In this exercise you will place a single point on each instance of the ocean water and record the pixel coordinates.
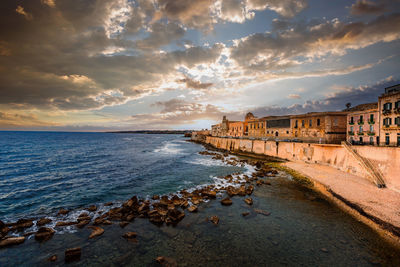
(41, 172)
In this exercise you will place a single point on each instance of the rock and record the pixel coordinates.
(259, 182)
(44, 234)
(130, 217)
(210, 194)
(249, 190)
(52, 258)
(156, 219)
(96, 231)
(92, 208)
(21, 224)
(130, 235)
(11, 241)
(175, 215)
(73, 254)
(2, 224)
(108, 204)
(82, 224)
(192, 208)
(249, 201)
(123, 224)
(83, 218)
(267, 182)
(165, 261)
(62, 212)
(60, 224)
(324, 250)
(226, 201)
(101, 221)
(43, 221)
(244, 214)
(242, 191)
(263, 212)
(214, 219)
(231, 191)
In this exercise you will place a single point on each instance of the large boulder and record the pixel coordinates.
(96, 231)
(11, 241)
(43, 221)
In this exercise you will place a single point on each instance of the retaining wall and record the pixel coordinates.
(386, 159)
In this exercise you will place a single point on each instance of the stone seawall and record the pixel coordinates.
(385, 159)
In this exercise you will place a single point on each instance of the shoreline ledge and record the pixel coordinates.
(378, 208)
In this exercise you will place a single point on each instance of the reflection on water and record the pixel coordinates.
(302, 229)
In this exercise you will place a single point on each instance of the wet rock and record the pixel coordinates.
(165, 261)
(244, 214)
(259, 182)
(101, 221)
(130, 217)
(165, 201)
(21, 224)
(226, 201)
(82, 224)
(249, 190)
(2, 224)
(11, 241)
(84, 217)
(324, 250)
(73, 254)
(43, 221)
(155, 197)
(231, 191)
(63, 212)
(185, 204)
(96, 231)
(130, 235)
(60, 224)
(123, 224)
(214, 219)
(92, 208)
(44, 234)
(192, 208)
(52, 258)
(29, 234)
(156, 219)
(210, 194)
(242, 191)
(267, 182)
(108, 204)
(249, 201)
(263, 212)
(175, 215)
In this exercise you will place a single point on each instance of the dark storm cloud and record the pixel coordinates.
(362, 7)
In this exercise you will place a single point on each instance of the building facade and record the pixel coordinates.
(236, 128)
(320, 127)
(389, 112)
(363, 124)
(278, 127)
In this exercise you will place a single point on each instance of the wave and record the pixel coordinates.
(169, 148)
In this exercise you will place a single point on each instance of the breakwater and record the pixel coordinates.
(383, 159)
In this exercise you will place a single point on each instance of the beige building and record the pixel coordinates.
(363, 124)
(320, 127)
(236, 128)
(389, 113)
(278, 127)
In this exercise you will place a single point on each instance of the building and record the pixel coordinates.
(320, 127)
(389, 113)
(236, 128)
(256, 127)
(363, 124)
(278, 127)
(220, 129)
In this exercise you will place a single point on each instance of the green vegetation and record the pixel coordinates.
(298, 177)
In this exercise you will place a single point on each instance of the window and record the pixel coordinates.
(371, 117)
(371, 140)
(318, 122)
(310, 123)
(361, 129)
(287, 132)
(351, 128)
(352, 120)
(371, 128)
(397, 105)
(387, 121)
(397, 121)
(296, 124)
(387, 139)
(361, 118)
(303, 123)
(335, 122)
(387, 106)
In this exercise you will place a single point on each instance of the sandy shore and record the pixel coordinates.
(378, 207)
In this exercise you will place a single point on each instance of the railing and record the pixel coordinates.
(374, 174)
(371, 122)
(386, 111)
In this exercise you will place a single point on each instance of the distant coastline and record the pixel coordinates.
(155, 132)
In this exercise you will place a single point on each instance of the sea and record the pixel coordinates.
(42, 172)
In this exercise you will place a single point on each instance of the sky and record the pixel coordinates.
(101, 65)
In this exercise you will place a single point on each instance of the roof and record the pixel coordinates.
(326, 113)
(361, 107)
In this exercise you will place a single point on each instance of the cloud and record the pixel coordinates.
(294, 96)
(49, 3)
(161, 34)
(286, 8)
(193, 84)
(22, 120)
(21, 10)
(366, 7)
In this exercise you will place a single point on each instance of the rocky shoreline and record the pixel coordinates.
(159, 210)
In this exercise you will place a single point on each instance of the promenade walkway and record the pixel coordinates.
(381, 203)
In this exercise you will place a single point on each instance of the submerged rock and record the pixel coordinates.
(82, 224)
(249, 190)
(43, 221)
(73, 254)
(63, 212)
(244, 214)
(130, 235)
(92, 208)
(21, 224)
(60, 224)
(192, 208)
(249, 201)
(226, 201)
(44, 234)
(11, 241)
(263, 212)
(108, 204)
(96, 231)
(214, 219)
(165, 261)
(123, 224)
(52, 258)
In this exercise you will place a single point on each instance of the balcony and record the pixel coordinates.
(386, 112)
(371, 122)
(360, 133)
(351, 122)
(350, 133)
(397, 110)
(360, 122)
(371, 133)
